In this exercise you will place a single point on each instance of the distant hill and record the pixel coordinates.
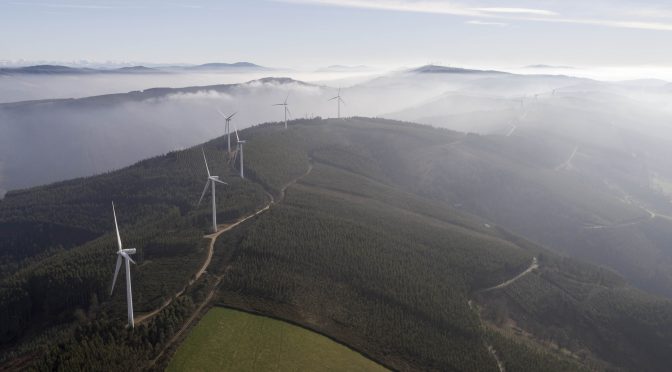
(434, 69)
(136, 69)
(46, 69)
(226, 66)
(64, 70)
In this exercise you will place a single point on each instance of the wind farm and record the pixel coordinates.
(303, 194)
(455, 187)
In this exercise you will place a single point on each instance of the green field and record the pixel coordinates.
(231, 340)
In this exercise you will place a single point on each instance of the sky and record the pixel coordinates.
(315, 33)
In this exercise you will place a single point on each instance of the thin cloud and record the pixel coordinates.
(541, 12)
(484, 23)
(396, 5)
(506, 13)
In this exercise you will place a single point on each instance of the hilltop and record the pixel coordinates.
(365, 242)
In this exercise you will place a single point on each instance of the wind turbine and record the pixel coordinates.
(228, 128)
(338, 100)
(211, 180)
(240, 144)
(286, 109)
(124, 253)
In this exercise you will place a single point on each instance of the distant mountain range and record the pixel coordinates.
(221, 67)
(65, 70)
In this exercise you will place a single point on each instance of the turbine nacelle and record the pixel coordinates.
(216, 179)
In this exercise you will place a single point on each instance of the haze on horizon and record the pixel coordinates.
(625, 38)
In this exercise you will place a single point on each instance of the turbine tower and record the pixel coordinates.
(125, 255)
(211, 181)
(286, 106)
(338, 100)
(240, 144)
(228, 128)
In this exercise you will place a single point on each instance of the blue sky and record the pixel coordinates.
(312, 33)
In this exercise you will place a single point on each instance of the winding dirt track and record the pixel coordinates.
(211, 247)
(213, 238)
(533, 266)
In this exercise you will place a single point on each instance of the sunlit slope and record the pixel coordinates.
(229, 340)
(58, 245)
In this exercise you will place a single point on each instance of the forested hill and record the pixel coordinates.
(366, 242)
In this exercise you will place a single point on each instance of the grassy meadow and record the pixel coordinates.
(231, 340)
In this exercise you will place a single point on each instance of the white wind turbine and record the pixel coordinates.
(286, 106)
(228, 128)
(339, 100)
(124, 253)
(240, 144)
(211, 181)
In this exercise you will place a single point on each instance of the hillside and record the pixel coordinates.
(365, 242)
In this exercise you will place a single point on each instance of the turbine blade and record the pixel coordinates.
(341, 99)
(236, 129)
(221, 113)
(206, 162)
(116, 227)
(231, 116)
(220, 181)
(116, 271)
(288, 112)
(331, 99)
(286, 98)
(278, 104)
(204, 190)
